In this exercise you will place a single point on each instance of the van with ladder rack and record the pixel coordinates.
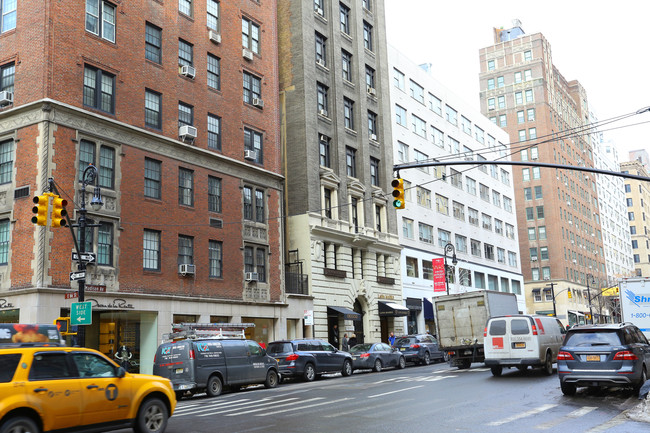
(206, 357)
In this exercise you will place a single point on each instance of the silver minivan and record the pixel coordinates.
(210, 364)
(522, 340)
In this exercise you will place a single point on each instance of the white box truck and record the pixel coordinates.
(634, 296)
(461, 319)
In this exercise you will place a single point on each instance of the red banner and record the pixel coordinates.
(439, 275)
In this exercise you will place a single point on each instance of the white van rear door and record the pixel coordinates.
(522, 343)
(497, 343)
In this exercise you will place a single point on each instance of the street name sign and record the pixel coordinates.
(81, 313)
(85, 257)
(79, 275)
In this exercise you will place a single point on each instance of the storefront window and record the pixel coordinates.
(262, 332)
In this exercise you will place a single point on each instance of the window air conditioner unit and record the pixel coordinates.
(258, 102)
(250, 154)
(533, 259)
(188, 71)
(323, 137)
(371, 91)
(320, 62)
(215, 37)
(373, 137)
(319, 11)
(186, 269)
(187, 131)
(248, 54)
(6, 98)
(322, 112)
(252, 276)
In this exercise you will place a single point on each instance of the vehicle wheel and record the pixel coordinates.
(568, 388)
(496, 370)
(152, 417)
(347, 368)
(402, 363)
(377, 367)
(464, 364)
(271, 379)
(644, 377)
(19, 424)
(214, 386)
(309, 374)
(547, 369)
(427, 358)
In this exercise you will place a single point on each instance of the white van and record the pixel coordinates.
(522, 340)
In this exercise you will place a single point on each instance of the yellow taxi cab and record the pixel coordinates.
(45, 386)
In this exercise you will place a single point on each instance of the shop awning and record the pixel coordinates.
(536, 290)
(414, 304)
(391, 309)
(547, 289)
(428, 309)
(345, 312)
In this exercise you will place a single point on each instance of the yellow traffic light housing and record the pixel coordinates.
(398, 193)
(59, 212)
(41, 208)
(569, 293)
(63, 325)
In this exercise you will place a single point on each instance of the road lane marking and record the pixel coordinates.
(361, 410)
(393, 392)
(303, 407)
(523, 415)
(274, 402)
(205, 408)
(617, 420)
(584, 410)
(275, 405)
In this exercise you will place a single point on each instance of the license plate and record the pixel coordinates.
(402, 349)
(179, 370)
(354, 358)
(593, 358)
(520, 345)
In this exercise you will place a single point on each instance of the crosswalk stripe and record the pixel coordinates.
(275, 405)
(393, 392)
(523, 414)
(212, 407)
(303, 407)
(618, 419)
(575, 414)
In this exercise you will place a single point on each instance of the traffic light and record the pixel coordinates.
(569, 293)
(41, 202)
(398, 193)
(58, 211)
(63, 325)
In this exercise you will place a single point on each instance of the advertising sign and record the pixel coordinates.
(309, 317)
(439, 276)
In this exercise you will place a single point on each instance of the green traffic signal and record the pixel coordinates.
(398, 193)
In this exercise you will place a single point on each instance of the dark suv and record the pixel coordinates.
(603, 355)
(309, 358)
(421, 348)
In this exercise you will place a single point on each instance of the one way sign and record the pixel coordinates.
(85, 257)
(80, 275)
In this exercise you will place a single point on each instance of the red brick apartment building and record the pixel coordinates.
(175, 103)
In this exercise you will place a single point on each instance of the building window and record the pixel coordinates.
(214, 72)
(7, 74)
(185, 53)
(185, 7)
(501, 102)
(370, 78)
(152, 109)
(321, 99)
(350, 161)
(248, 203)
(374, 171)
(105, 244)
(105, 167)
(344, 13)
(260, 213)
(503, 121)
(348, 113)
(4, 241)
(250, 35)
(253, 140)
(327, 205)
(99, 89)
(152, 178)
(100, 18)
(529, 95)
(423, 197)
(442, 204)
(252, 87)
(520, 116)
(417, 92)
(321, 49)
(419, 126)
(500, 82)
(6, 161)
(407, 228)
(488, 251)
(214, 132)
(346, 60)
(255, 261)
(530, 113)
(492, 104)
(528, 56)
(400, 115)
(402, 152)
(490, 83)
(412, 267)
(214, 194)
(475, 247)
(185, 187)
(185, 114)
(452, 115)
(398, 79)
(324, 150)
(491, 65)
(213, 14)
(185, 250)
(425, 232)
(153, 43)
(215, 258)
(367, 36)
(151, 250)
(372, 125)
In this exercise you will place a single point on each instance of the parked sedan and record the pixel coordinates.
(421, 348)
(604, 356)
(376, 356)
(307, 358)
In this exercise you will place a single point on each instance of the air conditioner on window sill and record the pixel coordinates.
(371, 91)
(319, 11)
(250, 154)
(6, 98)
(187, 132)
(252, 276)
(188, 71)
(215, 37)
(186, 269)
(320, 62)
(322, 112)
(247, 54)
(373, 137)
(257, 102)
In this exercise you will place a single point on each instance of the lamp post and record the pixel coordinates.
(590, 277)
(553, 295)
(449, 247)
(89, 176)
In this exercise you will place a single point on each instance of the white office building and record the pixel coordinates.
(471, 207)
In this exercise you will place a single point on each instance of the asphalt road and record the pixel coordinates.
(435, 398)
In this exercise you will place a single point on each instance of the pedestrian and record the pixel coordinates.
(353, 341)
(334, 336)
(344, 343)
(391, 339)
(124, 355)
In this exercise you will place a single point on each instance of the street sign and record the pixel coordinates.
(71, 295)
(79, 275)
(81, 313)
(85, 257)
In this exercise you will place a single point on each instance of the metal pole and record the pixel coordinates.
(553, 295)
(81, 329)
(589, 296)
(446, 273)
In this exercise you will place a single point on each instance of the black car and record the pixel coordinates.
(309, 358)
(420, 348)
(603, 356)
(376, 356)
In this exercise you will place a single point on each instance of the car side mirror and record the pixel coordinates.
(121, 372)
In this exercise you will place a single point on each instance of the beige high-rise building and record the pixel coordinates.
(637, 197)
(557, 210)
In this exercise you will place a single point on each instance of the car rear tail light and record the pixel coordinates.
(485, 332)
(564, 356)
(625, 355)
(364, 355)
(534, 330)
(292, 357)
(191, 353)
(154, 359)
(415, 346)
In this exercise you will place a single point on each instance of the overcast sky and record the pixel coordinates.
(603, 45)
